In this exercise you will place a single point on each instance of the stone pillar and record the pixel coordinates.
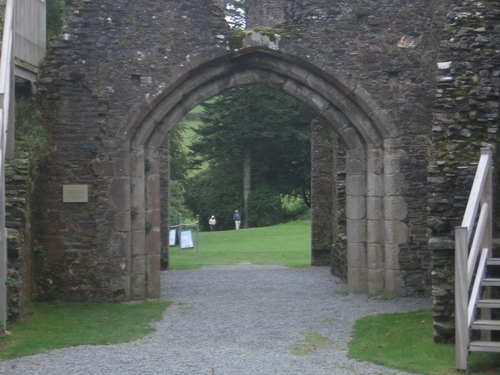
(120, 244)
(375, 222)
(152, 224)
(138, 215)
(395, 216)
(357, 274)
(264, 13)
(165, 203)
(339, 246)
(323, 192)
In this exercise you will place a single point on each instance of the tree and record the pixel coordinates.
(55, 17)
(261, 133)
(178, 172)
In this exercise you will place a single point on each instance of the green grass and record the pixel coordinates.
(285, 244)
(52, 326)
(404, 341)
(310, 342)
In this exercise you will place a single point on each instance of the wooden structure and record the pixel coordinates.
(478, 222)
(23, 47)
(30, 37)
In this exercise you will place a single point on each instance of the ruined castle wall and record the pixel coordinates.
(110, 56)
(465, 119)
(114, 55)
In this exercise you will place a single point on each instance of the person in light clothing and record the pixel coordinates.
(237, 219)
(212, 223)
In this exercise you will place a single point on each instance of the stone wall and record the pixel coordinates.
(339, 264)
(124, 73)
(19, 245)
(466, 119)
(111, 55)
(324, 226)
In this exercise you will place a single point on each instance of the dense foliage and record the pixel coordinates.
(55, 16)
(179, 168)
(271, 132)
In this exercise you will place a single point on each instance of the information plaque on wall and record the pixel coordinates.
(75, 193)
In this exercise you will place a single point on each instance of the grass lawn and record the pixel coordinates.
(285, 244)
(404, 341)
(52, 326)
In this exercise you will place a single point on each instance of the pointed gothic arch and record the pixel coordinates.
(374, 204)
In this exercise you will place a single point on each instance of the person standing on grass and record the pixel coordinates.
(212, 222)
(237, 219)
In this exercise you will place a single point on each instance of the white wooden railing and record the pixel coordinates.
(478, 221)
(6, 119)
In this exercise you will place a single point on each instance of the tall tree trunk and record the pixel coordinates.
(247, 173)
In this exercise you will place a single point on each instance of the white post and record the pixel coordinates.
(6, 96)
(487, 240)
(3, 249)
(461, 299)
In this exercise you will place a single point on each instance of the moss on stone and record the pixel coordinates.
(270, 32)
(236, 37)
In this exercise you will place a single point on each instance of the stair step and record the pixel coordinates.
(493, 262)
(490, 282)
(489, 303)
(486, 325)
(484, 346)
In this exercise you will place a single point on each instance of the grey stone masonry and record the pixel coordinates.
(323, 193)
(410, 89)
(466, 119)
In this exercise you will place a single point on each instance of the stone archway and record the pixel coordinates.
(374, 204)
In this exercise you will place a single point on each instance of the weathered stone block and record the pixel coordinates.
(120, 288)
(374, 208)
(356, 185)
(122, 221)
(375, 161)
(120, 245)
(395, 208)
(394, 283)
(356, 231)
(358, 280)
(394, 184)
(375, 231)
(392, 256)
(356, 207)
(138, 265)
(375, 283)
(396, 232)
(138, 287)
(375, 256)
(153, 274)
(375, 185)
(356, 255)
(138, 242)
(119, 193)
(153, 240)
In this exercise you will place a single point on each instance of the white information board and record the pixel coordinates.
(173, 236)
(187, 239)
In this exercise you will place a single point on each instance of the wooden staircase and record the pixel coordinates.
(486, 326)
(474, 264)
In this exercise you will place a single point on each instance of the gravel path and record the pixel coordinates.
(241, 320)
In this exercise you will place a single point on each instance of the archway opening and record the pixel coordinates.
(341, 106)
(252, 153)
